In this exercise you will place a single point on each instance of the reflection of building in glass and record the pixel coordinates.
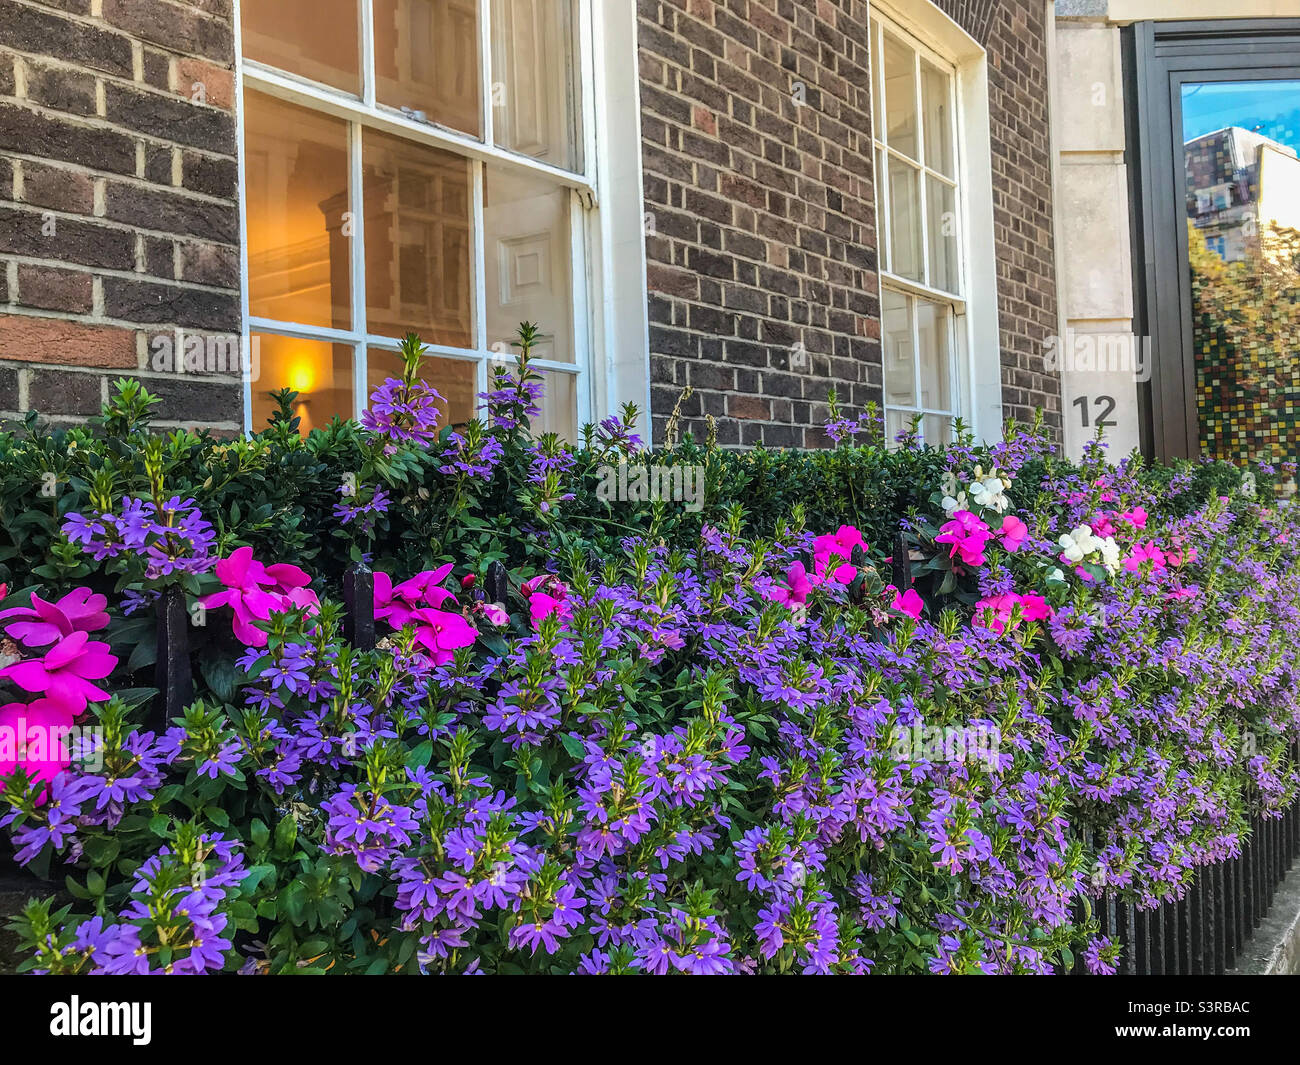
(1243, 203)
(1237, 183)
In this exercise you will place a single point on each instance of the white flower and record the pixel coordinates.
(1079, 542)
(796, 874)
(948, 484)
(1248, 486)
(954, 503)
(1110, 555)
(1055, 574)
(990, 492)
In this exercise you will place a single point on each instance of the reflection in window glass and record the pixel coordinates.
(900, 358)
(426, 60)
(934, 338)
(316, 39)
(296, 196)
(528, 244)
(936, 94)
(320, 372)
(1242, 154)
(417, 235)
(900, 96)
(534, 78)
(904, 220)
(941, 226)
(936, 429)
(559, 406)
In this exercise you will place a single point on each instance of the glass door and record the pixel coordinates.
(1241, 151)
(1215, 151)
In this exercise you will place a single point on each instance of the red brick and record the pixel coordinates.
(218, 83)
(59, 342)
(749, 407)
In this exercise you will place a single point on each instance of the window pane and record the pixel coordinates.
(427, 60)
(904, 220)
(877, 128)
(937, 429)
(935, 337)
(534, 83)
(529, 269)
(896, 340)
(936, 95)
(900, 96)
(941, 221)
(320, 372)
(315, 38)
(559, 406)
(881, 234)
(417, 238)
(897, 421)
(456, 380)
(296, 173)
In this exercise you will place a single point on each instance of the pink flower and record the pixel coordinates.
(1013, 533)
(441, 632)
(1032, 608)
(1102, 526)
(837, 545)
(1143, 553)
(495, 613)
(31, 736)
(967, 535)
(65, 673)
(44, 623)
(797, 587)
(908, 602)
(1137, 517)
(541, 605)
(398, 604)
(251, 593)
(546, 582)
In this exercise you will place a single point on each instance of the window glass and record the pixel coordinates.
(368, 229)
(534, 82)
(934, 341)
(905, 220)
(529, 272)
(919, 234)
(296, 202)
(1241, 146)
(417, 238)
(320, 372)
(936, 95)
(941, 232)
(899, 352)
(317, 39)
(900, 96)
(427, 60)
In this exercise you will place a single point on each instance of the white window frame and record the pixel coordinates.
(599, 278)
(975, 370)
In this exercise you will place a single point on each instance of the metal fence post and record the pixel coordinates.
(359, 604)
(172, 675)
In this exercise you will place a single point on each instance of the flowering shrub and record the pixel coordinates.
(671, 742)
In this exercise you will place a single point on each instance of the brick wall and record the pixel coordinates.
(760, 211)
(118, 215)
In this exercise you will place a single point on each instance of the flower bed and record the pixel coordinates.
(747, 736)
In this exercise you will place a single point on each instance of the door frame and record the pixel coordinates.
(1159, 57)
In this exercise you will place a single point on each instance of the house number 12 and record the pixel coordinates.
(1107, 408)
